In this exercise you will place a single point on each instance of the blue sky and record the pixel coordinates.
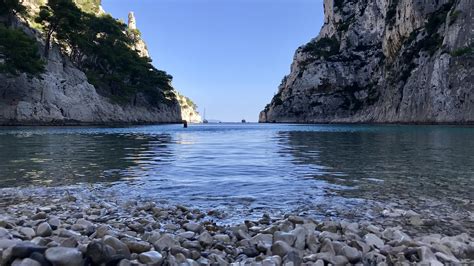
(228, 56)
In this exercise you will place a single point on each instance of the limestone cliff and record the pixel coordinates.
(62, 95)
(188, 109)
(383, 61)
(134, 33)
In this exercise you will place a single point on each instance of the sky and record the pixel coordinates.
(228, 56)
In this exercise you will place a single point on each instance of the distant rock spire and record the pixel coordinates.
(132, 23)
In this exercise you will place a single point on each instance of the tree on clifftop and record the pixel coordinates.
(57, 15)
(101, 47)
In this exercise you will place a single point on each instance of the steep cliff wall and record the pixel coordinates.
(62, 95)
(383, 61)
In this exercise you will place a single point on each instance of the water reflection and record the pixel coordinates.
(64, 159)
(426, 169)
(425, 161)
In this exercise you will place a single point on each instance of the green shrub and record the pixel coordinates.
(191, 104)
(20, 53)
(323, 47)
(89, 6)
(463, 51)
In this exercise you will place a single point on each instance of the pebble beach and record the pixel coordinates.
(89, 227)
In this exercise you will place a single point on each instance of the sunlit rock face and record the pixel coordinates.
(387, 61)
(139, 44)
(189, 111)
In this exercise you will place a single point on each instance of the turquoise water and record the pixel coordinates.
(252, 167)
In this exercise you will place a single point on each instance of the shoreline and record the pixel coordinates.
(88, 225)
(466, 123)
(131, 124)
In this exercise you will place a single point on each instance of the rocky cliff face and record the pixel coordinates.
(383, 61)
(62, 95)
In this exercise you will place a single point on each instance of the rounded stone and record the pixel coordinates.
(39, 216)
(137, 246)
(117, 245)
(44, 230)
(150, 257)
(6, 243)
(24, 249)
(374, 241)
(29, 262)
(193, 227)
(165, 242)
(4, 233)
(60, 256)
(28, 232)
(205, 238)
(352, 254)
(54, 222)
(281, 248)
(99, 252)
(222, 238)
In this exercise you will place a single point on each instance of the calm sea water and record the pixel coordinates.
(252, 167)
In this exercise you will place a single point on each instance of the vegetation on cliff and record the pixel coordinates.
(100, 46)
(89, 6)
(18, 51)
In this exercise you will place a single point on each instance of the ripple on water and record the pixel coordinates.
(319, 169)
